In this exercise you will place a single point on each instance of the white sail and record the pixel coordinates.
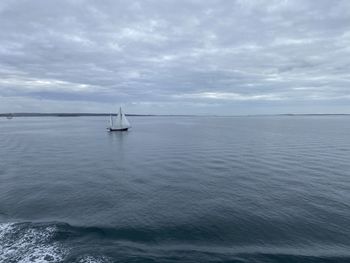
(120, 121)
(124, 121)
(111, 121)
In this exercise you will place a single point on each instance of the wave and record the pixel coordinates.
(22, 243)
(61, 242)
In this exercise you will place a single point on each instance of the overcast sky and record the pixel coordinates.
(175, 57)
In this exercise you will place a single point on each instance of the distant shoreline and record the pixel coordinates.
(22, 114)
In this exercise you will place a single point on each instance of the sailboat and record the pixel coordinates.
(120, 123)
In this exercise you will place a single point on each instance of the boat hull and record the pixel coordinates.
(123, 129)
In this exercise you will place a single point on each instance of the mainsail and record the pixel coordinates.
(111, 121)
(124, 120)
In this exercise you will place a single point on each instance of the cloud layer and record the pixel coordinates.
(215, 56)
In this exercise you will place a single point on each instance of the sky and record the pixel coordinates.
(220, 57)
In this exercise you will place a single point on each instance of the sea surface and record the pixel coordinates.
(175, 189)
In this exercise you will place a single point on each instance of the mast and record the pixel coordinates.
(120, 117)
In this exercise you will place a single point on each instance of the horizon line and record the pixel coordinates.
(87, 114)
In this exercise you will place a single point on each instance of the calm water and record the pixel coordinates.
(179, 189)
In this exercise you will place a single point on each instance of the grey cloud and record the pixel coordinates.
(215, 56)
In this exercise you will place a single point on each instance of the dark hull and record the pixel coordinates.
(124, 129)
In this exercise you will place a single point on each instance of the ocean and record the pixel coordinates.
(175, 189)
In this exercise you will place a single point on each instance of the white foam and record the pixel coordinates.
(94, 259)
(4, 228)
(29, 244)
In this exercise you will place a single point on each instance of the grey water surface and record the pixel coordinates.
(175, 189)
